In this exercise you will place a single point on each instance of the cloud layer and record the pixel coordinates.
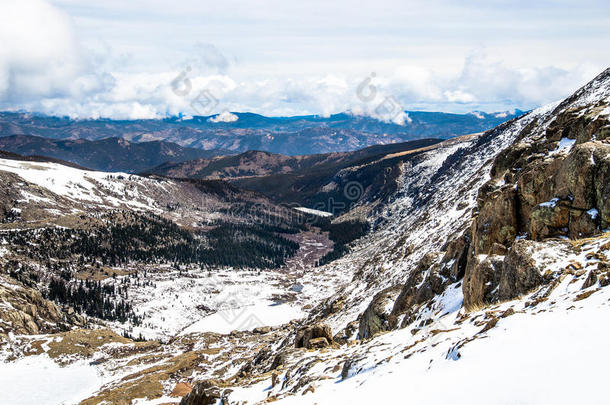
(60, 60)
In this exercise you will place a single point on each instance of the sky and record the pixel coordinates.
(130, 59)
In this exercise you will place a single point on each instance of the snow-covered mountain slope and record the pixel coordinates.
(438, 199)
(451, 235)
(42, 190)
(490, 264)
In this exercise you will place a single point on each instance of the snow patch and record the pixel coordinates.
(593, 213)
(246, 318)
(549, 204)
(564, 144)
(39, 380)
(314, 212)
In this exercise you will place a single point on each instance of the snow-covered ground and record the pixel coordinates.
(207, 301)
(518, 352)
(314, 212)
(40, 380)
(246, 318)
(171, 302)
(77, 184)
(548, 346)
(551, 355)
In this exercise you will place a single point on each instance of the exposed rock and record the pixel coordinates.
(181, 389)
(507, 313)
(262, 356)
(346, 369)
(549, 220)
(481, 280)
(279, 359)
(261, 330)
(583, 223)
(274, 379)
(496, 221)
(308, 333)
(337, 305)
(423, 284)
(489, 325)
(590, 280)
(456, 257)
(375, 318)
(498, 250)
(350, 367)
(27, 312)
(558, 185)
(318, 343)
(204, 393)
(492, 278)
(604, 280)
(348, 332)
(520, 272)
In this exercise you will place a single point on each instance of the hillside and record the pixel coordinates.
(109, 154)
(308, 180)
(486, 263)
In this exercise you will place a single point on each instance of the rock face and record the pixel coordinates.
(496, 278)
(496, 222)
(181, 389)
(25, 311)
(553, 182)
(422, 285)
(520, 273)
(375, 318)
(456, 257)
(481, 279)
(318, 343)
(204, 393)
(311, 336)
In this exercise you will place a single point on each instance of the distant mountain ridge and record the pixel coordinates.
(320, 181)
(109, 154)
(297, 135)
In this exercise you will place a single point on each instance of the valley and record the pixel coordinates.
(426, 263)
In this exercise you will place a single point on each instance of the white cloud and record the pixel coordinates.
(283, 60)
(225, 116)
(39, 56)
(459, 96)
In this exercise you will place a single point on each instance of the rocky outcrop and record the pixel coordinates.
(205, 392)
(318, 343)
(25, 311)
(553, 182)
(423, 284)
(456, 257)
(310, 336)
(496, 222)
(375, 318)
(495, 278)
(181, 389)
(548, 185)
(481, 280)
(520, 272)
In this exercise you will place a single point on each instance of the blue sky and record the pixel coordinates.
(121, 59)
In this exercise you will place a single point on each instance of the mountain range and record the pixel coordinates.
(298, 135)
(318, 181)
(108, 154)
(473, 269)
